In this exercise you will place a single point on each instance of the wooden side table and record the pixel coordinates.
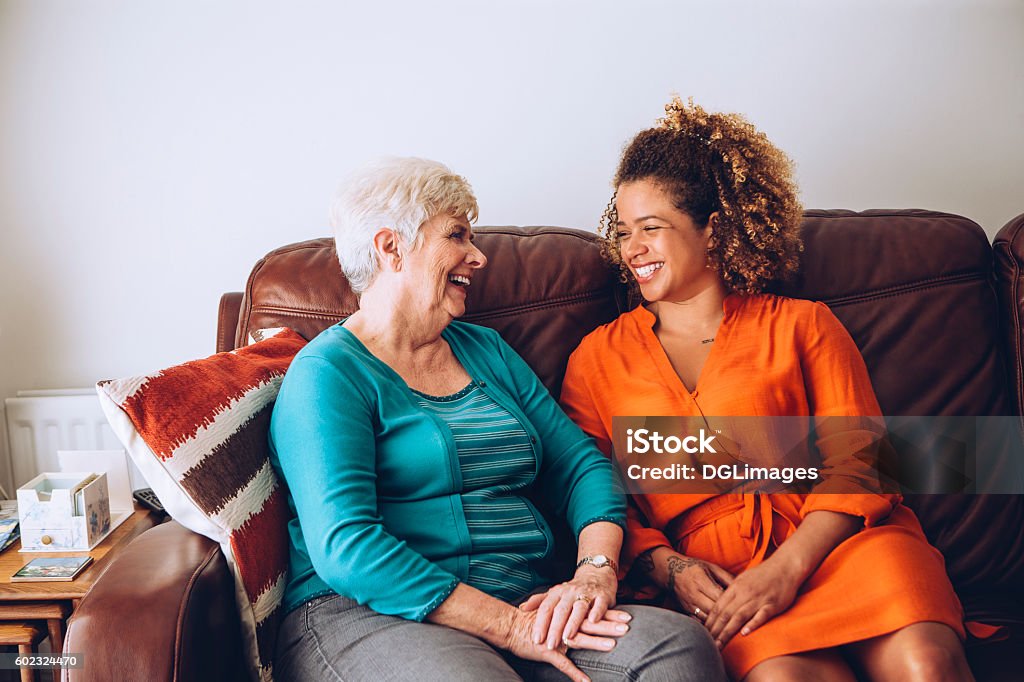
(54, 602)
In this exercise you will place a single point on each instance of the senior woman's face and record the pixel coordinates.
(443, 267)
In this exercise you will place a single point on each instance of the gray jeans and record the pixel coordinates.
(335, 639)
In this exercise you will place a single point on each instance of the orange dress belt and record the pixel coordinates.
(760, 521)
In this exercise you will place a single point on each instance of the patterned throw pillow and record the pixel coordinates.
(198, 433)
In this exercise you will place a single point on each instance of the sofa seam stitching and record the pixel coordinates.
(247, 302)
(901, 289)
(525, 307)
(562, 302)
(298, 312)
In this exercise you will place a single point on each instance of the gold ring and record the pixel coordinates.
(583, 597)
(697, 611)
(565, 641)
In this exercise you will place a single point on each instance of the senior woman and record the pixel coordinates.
(408, 441)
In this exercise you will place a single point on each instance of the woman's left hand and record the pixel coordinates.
(755, 596)
(564, 607)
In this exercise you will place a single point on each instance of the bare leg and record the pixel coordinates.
(925, 652)
(825, 666)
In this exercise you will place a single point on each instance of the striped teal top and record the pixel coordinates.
(496, 461)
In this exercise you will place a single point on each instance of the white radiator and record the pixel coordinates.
(39, 423)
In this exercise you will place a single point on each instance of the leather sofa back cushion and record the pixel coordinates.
(914, 288)
(544, 289)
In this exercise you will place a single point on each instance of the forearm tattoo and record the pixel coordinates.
(677, 564)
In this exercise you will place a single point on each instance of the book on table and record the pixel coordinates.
(8, 532)
(51, 568)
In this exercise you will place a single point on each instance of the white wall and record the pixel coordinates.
(151, 152)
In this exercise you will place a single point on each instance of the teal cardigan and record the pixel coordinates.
(374, 482)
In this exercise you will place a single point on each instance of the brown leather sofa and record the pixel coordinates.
(936, 310)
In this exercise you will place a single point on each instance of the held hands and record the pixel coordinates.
(562, 610)
(599, 636)
(730, 604)
(755, 596)
(744, 603)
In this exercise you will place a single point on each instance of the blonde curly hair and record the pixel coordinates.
(710, 162)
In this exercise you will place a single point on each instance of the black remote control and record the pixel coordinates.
(147, 498)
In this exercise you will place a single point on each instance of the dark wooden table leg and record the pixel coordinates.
(55, 627)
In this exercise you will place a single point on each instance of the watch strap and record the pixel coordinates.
(599, 561)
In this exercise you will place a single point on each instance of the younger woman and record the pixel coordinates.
(791, 586)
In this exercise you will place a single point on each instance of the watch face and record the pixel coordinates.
(600, 560)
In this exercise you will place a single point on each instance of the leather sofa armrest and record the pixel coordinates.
(227, 320)
(164, 610)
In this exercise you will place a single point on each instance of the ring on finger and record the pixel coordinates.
(697, 611)
(565, 642)
(583, 597)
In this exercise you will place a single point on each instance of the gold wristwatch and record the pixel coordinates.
(598, 561)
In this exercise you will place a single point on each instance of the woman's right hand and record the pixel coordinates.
(697, 584)
(599, 636)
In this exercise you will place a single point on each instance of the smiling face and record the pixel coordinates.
(441, 269)
(663, 247)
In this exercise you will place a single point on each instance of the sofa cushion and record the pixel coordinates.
(544, 290)
(914, 288)
(198, 433)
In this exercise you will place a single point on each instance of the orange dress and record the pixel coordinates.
(773, 356)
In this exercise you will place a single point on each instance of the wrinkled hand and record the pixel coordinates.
(598, 636)
(698, 584)
(562, 610)
(754, 597)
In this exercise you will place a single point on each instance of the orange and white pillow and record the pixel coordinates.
(198, 433)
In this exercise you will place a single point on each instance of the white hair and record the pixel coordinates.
(399, 193)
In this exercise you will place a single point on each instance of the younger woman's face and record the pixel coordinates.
(665, 250)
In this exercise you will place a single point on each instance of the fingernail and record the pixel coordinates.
(622, 628)
(608, 644)
(745, 631)
(718, 643)
(626, 617)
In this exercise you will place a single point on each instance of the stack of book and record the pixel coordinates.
(9, 531)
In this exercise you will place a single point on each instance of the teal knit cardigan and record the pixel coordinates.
(374, 482)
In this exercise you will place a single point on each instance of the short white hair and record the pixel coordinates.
(399, 193)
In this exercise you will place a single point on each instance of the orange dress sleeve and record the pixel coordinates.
(578, 402)
(847, 418)
(578, 399)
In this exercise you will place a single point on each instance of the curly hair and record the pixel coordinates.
(710, 162)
